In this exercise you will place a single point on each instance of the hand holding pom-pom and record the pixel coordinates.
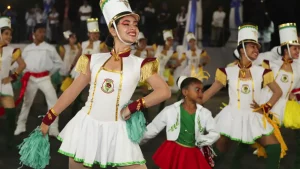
(125, 113)
(44, 128)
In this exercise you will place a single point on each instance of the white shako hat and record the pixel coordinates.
(92, 25)
(288, 34)
(168, 34)
(190, 36)
(67, 34)
(5, 22)
(248, 33)
(180, 80)
(115, 9)
(141, 36)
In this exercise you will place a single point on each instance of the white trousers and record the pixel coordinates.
(45, 85)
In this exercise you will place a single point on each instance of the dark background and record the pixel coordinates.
(280, 11)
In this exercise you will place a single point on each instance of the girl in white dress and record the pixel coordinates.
(98, 134)
(8, 55)
(243, 120)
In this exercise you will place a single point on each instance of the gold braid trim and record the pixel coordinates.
(16, 54)
(221, 77)
(82, 64)
(148, 69)
(268, 78)
(274, 122)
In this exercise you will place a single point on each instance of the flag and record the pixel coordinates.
(193, 21)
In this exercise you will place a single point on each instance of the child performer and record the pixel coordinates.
(186, 121)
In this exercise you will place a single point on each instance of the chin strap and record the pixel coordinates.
(114, 23)
(245, 52)
(288, 48)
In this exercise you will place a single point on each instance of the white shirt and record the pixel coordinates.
(148, 9)
(268, 32)
(181, 19)
(30, 19)
(54, 15)
(218, 19)
(41, 58)
(85, 9)
(39, 17)
(170, 117)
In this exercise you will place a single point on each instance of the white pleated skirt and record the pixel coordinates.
(90, 141)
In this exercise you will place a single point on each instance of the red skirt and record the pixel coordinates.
(171, 155)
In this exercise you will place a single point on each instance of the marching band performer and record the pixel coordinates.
(196, 58)
(140, 49)
(186, 122)
(98, 134)
(42, 60)
(69, 52)
(287, 76)
(243, 120)
(168, 59)
(8, 55)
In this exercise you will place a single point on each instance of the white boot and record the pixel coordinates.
(53, 130)
(21, 128)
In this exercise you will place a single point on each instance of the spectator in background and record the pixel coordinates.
(267, 31)
(85, 12)
(181, 22)
(67, 24)
(164, 17)
(150, 21)
(54, 25)
(30, 23)
(39, 16)
(217, 25)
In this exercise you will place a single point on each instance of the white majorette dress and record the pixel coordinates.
(88, 47)
(237, 120)
(286, 80)
(8, 56)
(164, 55)
(97, 134)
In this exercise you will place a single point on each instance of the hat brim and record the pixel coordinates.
(136, 16)
(252, 41)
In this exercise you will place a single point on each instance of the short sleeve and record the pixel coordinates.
(82, 63)
(265, 64)
(268, 77)
(149, 67)
(221, 76)
(16, 54)
(203, 53)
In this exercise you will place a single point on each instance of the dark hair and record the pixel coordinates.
(38, 26)
(282, 49)
(4, 28)
(109, 41)
(188, 81)
(118, 15)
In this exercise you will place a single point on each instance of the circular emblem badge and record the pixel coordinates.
(284, 78)
(108, 86)
(245, 89)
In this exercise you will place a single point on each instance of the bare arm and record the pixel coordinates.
(161, 90)
(72, 92)
(21, 64)
(216, 86)
(277, 92)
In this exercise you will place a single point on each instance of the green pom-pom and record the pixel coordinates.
(136, 126)
(17, 84)
(35, 150)
(56, 78)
